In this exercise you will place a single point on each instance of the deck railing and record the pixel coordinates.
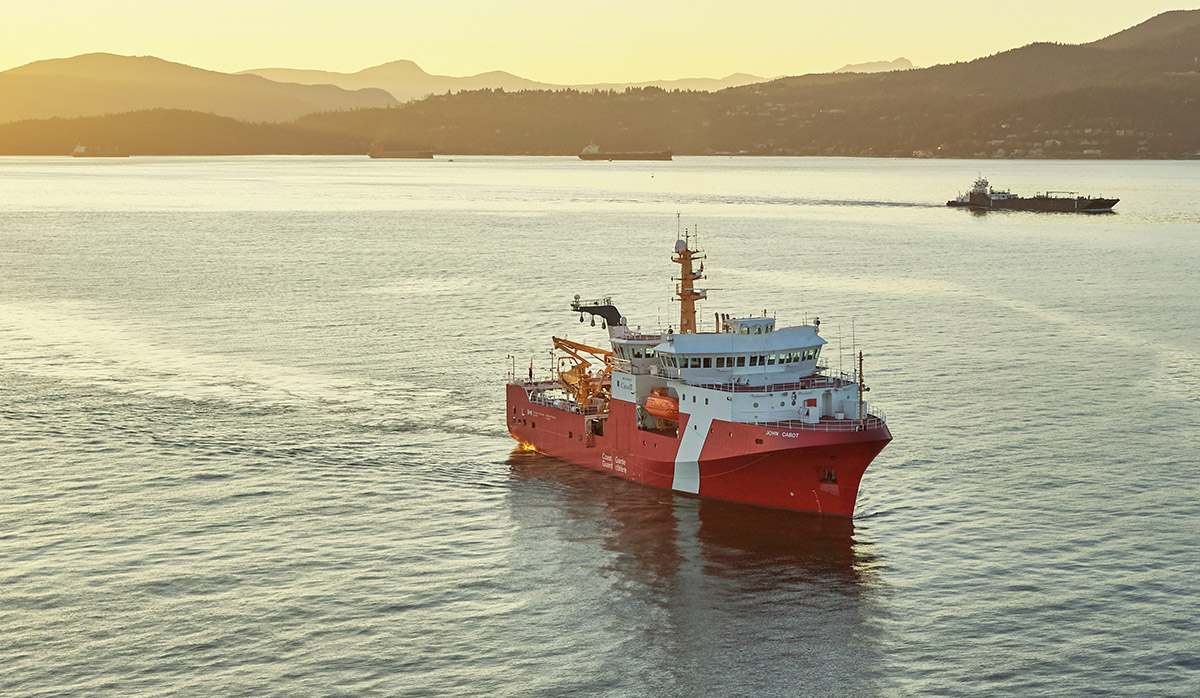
(872, 421)
(561, 404)
(807, 383)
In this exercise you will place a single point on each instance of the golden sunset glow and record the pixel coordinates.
(566, 43)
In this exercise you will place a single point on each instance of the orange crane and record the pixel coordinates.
(577, 380)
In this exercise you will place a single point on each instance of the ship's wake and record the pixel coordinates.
(77, 344)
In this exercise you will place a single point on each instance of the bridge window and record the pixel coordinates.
(741, 361)
(720, 362)
(771, 360)
(637, 353)
(753, 360)
(757, 330)
(649, 353)
(695, 362)
(707, 362)
(745, 329)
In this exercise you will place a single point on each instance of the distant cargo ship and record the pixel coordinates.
(83, 151)
(593, 152)
(983, 197)
(382, 150)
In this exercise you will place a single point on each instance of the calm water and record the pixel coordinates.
(252, 436)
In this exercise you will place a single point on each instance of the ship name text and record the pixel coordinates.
(617, 464)
(786, 434)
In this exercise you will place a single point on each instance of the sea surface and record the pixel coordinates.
(252, 439)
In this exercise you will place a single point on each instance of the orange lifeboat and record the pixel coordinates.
(660, 405)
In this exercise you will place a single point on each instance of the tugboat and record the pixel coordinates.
(983, 197)
(742, 412)
(593, 152)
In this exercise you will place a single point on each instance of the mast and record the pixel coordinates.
(685, 290)
(861, 418)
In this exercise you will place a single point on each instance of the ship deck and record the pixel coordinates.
(536, 390)
(806, 383)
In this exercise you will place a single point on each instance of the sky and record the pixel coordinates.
(555, 41)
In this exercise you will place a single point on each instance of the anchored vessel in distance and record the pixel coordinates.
(983, 197)
(84, 151)
(743, 413)
(391, 152)
(593, 152)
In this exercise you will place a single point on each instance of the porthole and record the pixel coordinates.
(756, 404)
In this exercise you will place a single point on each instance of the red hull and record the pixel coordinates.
(803, 469)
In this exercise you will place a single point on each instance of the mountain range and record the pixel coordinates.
(103, 83)
(406, 81)
(1135, 93)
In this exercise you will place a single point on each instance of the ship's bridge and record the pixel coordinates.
(754, 352)
(750, 325)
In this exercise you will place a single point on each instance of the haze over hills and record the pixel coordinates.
(101, 83)
(876, 66)
(406, 81)
(403, 79)
(1135, 94)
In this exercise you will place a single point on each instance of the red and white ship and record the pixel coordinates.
(742, 413)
